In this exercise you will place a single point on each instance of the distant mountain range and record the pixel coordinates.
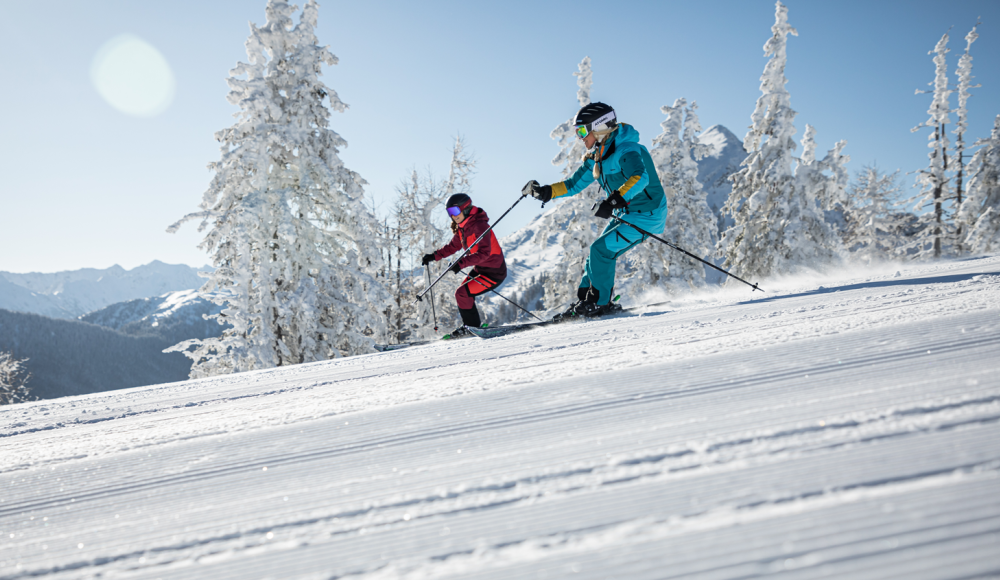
(70, 357)
(74, 293)
(92, 330)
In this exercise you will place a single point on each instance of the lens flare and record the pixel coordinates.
(133, 77)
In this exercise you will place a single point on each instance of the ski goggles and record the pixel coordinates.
(454, 211)
(582, 132)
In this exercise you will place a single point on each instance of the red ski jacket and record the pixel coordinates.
(486, 256)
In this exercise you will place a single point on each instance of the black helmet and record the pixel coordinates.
(597, 118)
(461, 201)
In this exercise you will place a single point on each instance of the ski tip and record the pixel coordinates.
(446, 337)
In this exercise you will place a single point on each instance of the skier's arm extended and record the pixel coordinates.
(450, 248)
(577, 182)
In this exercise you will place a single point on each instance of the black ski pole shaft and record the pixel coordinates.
(467, 250)
(502, 296)
(515, 304)
(655, 237)
(427, 270)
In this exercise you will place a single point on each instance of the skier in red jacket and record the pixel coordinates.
(468, 222)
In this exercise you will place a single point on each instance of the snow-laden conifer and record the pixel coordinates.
(289, 234)
(13, 380)
(690, 222)
(964, 74)
(872, 230)
(824, 180)
(463, 165)
(933, 181)
(460, 171)
(571, 217)
(982, 206)
(779, 225)
(421, 226)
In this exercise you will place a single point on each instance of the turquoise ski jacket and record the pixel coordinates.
(623, 165)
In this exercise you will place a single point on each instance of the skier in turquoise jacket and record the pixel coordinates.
(626, 174)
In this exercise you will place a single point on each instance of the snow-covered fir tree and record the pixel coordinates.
(571, 217)
(13, 380)
(981, 208)
(411, 215)
(872, 229)
(463, 166)
(690, 222)
(461, 169)
(824, 180)
(933, 181)
(778, 222)
(420, 226)
(289, 234)
(964, 74)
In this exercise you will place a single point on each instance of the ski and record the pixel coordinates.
(498, 331)
(392, 347)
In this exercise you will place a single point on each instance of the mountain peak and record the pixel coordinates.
(721, 140)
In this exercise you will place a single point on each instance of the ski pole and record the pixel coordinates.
(427, 270)
(500, 295)
(655, 237)
(467, 250)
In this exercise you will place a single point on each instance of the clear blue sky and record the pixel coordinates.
(84, 185)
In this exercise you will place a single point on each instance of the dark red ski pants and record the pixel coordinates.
(474, 285)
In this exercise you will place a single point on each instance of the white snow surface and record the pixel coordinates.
(839, 425)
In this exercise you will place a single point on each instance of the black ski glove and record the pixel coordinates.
(428, 258)
(614, 201)
(455, 268)
(542, 193)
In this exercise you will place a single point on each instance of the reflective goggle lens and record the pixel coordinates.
(582, 131)
(454, 210)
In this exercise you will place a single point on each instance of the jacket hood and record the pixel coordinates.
(626, 134)
(475, 214)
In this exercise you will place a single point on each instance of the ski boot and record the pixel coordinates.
(598, 310)
(570, 313)
(470, 317)
(460, 332)
(587, 299)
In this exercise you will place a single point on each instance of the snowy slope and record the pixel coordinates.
(842, 426)
(73, 293)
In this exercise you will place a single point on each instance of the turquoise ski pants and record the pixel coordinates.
(616, 239)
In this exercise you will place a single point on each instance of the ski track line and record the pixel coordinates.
(898, 435)
(693, 386)
(691, 521)
(758, 441)
(243, 395)
(465, 429)
(493, 502)
(930, 347)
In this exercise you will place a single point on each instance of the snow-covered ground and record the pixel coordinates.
(844, 425)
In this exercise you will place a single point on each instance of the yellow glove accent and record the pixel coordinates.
(559, 189)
